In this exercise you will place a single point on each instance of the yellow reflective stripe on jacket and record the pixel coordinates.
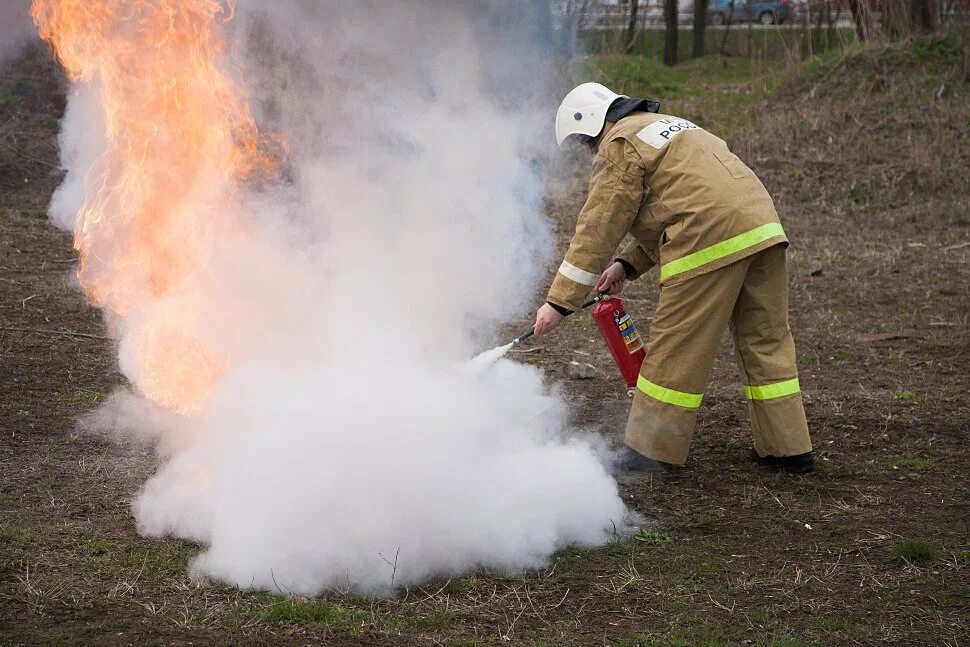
(720, 250)
(662, 393)
(769, 391)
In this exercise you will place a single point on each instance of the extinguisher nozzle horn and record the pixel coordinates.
(602, 296)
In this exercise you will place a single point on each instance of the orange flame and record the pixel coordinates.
(178, 133)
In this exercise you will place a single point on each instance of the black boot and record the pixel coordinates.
(798, 464)
(629, 460)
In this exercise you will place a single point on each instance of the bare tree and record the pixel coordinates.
(670, 33)
(700, 26)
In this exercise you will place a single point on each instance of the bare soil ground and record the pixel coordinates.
(870, 171)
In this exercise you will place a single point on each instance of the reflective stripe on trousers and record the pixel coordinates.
(670, 396)
(720, 250)
(693, 400)
(771, 391)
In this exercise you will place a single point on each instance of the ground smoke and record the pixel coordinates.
(320, 323)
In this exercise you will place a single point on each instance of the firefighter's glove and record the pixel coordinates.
(546, 319)
(612, 279)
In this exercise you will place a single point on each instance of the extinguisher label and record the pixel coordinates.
(629, 331)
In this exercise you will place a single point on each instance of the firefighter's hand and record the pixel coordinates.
(612, 279)
(546, 319)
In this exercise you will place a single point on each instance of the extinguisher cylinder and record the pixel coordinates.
(621, 337)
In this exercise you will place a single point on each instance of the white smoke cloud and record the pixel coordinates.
(16, 27)
(347, 445)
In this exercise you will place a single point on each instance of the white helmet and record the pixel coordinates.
(583, 111)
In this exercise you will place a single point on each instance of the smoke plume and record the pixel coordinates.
(301, 221)
(16, 28)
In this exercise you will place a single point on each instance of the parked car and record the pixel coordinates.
(767, 12)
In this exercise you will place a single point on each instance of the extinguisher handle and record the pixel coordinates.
(599, 297)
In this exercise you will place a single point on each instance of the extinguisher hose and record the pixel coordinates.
(599, 297)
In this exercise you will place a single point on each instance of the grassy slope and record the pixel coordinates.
(886, 559)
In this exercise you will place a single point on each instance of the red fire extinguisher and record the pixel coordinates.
(621, 336)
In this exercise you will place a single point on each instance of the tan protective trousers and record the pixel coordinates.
(750, 296)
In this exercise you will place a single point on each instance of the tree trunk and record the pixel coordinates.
(924, 15)
(832, 15)
(632, 29)
(727, 30)
(862, 18)
(670, 34)
(700, 25)
(750, 43)
(897, 19)
(808, 28)
(819, 21)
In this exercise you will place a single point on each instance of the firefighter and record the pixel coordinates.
(695, 210)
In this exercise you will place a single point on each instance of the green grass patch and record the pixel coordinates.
(583, 323)
(688, 630)
(436, 619)
(779, 639)
(652, 537)
(859, 195)
(16, 535)
(95, 547)
(619, 547)
(461, 642)
(906, 396)
(809, 359)
(159, 558)
(698, 636)
(844, 627)
(939, 48)
(916, 551)
(8, 102)
(302, 612)
(911, 463)
(81, 397)
(473, 583)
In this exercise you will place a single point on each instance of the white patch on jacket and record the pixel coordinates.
(659, 133)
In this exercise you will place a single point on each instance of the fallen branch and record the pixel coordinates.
(64, 333)
(38, 160)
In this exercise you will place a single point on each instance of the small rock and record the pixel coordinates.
(580, 371)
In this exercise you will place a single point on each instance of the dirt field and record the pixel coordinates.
(870, 172)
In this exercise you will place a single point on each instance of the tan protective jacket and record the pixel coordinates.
(690, 204)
